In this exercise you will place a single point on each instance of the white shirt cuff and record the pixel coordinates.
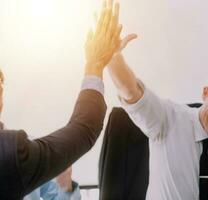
(93, 83)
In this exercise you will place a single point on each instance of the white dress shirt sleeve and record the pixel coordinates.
(149, 113)
(93, 83)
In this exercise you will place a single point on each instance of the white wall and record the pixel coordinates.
(41, 53)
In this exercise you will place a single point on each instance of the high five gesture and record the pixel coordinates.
(105, 40)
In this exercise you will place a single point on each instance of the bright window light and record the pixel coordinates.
(42, 7)
(49, 23)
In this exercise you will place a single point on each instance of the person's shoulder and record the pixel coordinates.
(177, 106)
(10, 177)
(12, 133)
(192, 108)
(185, 110)
(176, 111)
(12, 137)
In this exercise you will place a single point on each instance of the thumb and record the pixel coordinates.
(128, 39)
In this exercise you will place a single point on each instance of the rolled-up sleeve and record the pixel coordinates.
(148, 113)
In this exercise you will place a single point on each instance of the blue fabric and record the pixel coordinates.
(51, 191)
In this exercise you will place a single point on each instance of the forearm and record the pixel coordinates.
(45, 158)
(86, 123)
(129, 87)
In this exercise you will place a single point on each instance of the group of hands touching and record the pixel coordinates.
(104, 43)
(103, 46)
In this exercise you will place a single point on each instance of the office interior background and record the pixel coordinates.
(42, 56)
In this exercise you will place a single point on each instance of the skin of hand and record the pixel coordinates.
(65, 180)
(130, 89)
(203, 115)
(104, 41)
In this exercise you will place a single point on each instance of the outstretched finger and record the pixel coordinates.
(110, 4)
(117, 11)
(117, 34)
(113, 26)
(106, 22)
(101, 21)
(127, 39)
(114, 20)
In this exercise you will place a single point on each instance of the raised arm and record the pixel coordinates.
(146, 109)
(40, 160)
(130, 89)
(128, 86)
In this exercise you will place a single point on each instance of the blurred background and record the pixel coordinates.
(42, 56)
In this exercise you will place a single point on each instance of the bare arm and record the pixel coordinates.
(129, 87)
(146, 109)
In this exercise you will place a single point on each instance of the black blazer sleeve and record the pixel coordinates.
(41, 160)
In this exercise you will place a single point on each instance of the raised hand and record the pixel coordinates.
(125, 41)
(105, 40)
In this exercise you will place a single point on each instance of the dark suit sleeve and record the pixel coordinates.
(43, 159)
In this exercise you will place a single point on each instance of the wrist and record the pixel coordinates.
(94, 69)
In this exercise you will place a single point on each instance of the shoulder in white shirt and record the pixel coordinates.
(175, 136)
